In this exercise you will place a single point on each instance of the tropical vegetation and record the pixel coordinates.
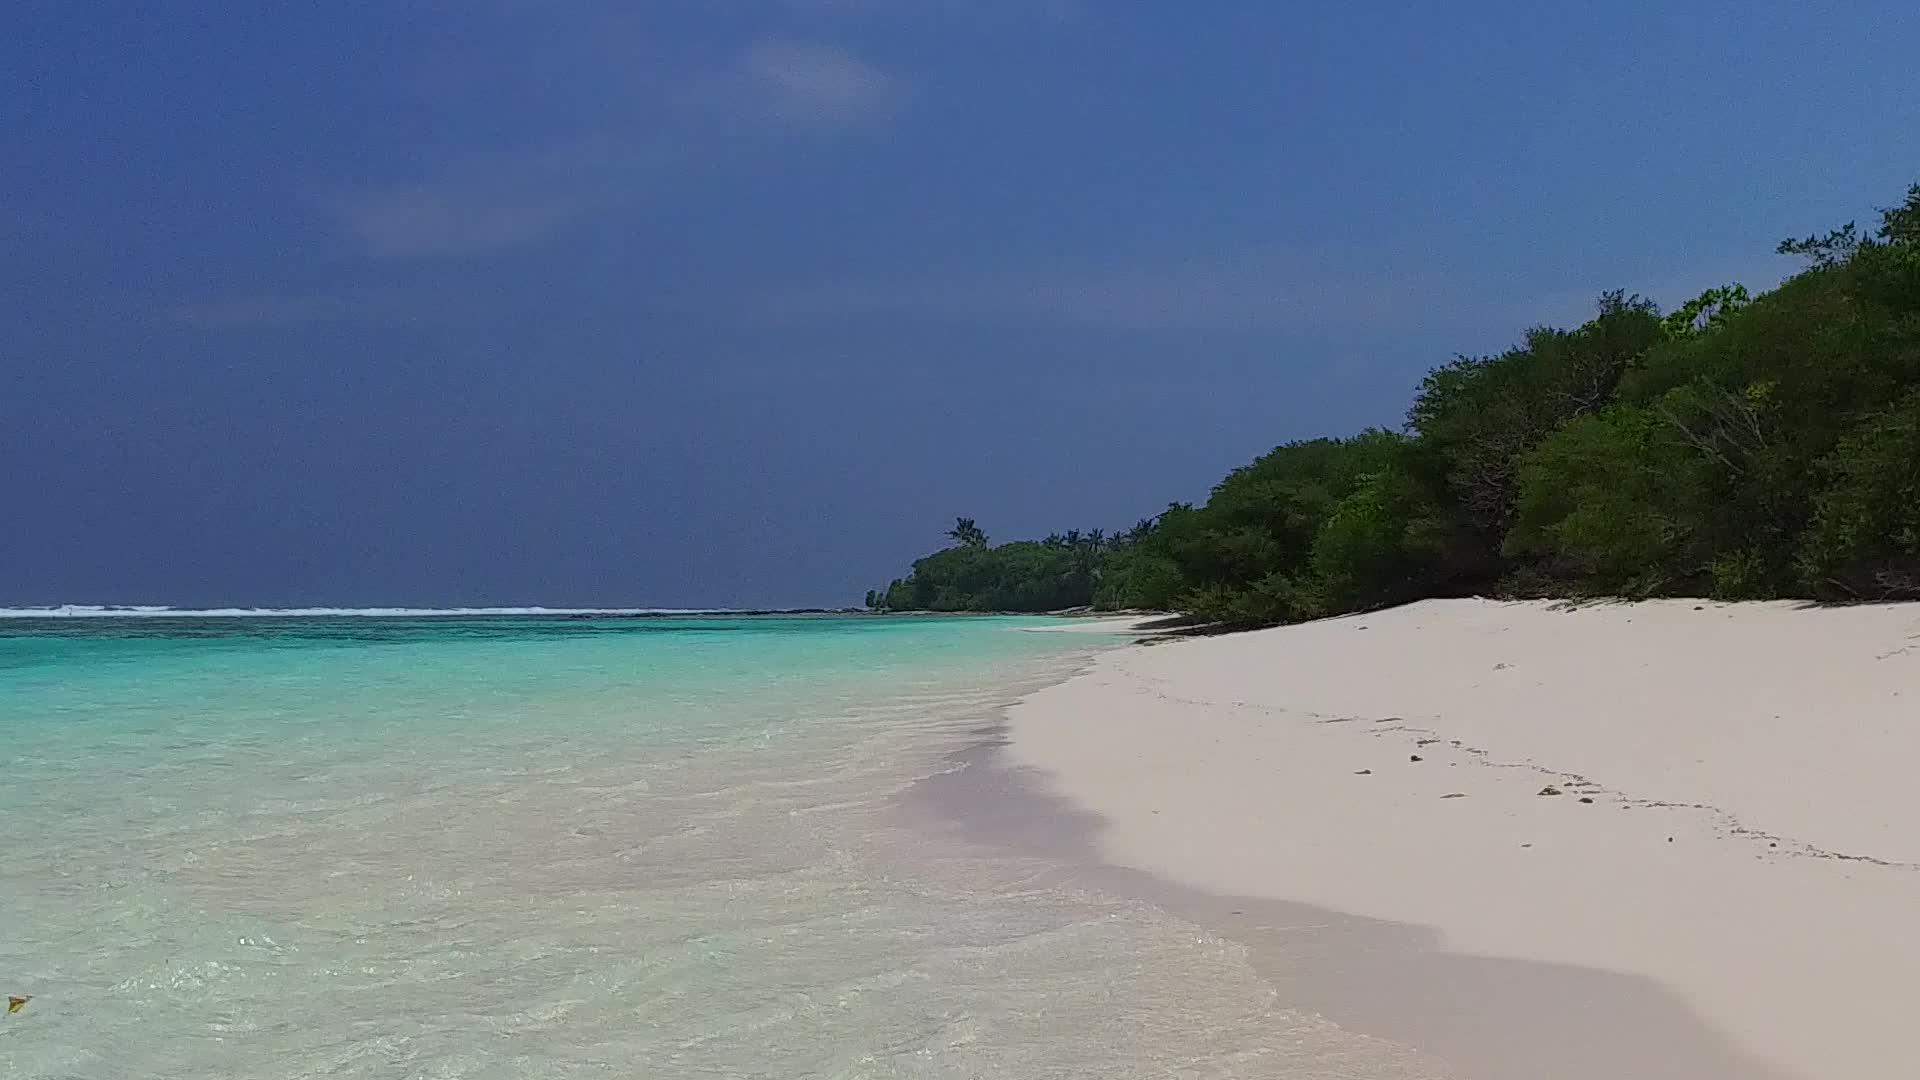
(1739, 447)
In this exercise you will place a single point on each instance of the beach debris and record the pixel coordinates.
(1426, 742)
(16, 1002)
(1501, 667)
(1551, 790)
(1363, 772)
(1454, 795)
(1415, 757)
(1526, 845)
(1586, 798)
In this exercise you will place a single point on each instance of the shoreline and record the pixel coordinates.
(1260, 785)
(1374, 978)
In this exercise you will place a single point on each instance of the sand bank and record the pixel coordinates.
(1737, 820)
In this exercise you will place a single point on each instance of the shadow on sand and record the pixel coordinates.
(1488, 1018)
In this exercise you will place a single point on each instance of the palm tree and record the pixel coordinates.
(966, 534)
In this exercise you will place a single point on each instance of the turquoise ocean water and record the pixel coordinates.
(560, 847)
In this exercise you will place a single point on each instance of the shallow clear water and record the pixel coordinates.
(546, 847)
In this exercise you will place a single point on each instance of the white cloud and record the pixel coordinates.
(817, 84)
(484, 205)
(661, 121)
(450, 219)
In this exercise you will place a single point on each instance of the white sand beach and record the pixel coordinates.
(1737, 816)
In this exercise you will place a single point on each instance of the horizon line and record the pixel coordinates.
(156, 611)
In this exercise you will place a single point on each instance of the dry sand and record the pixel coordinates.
(1751, 850)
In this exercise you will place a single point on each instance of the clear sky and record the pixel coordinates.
(742, 301)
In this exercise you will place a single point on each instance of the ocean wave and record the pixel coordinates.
(134, 611)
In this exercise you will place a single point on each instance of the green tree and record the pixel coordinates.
(1744, 446)
(1707, 312)
(1865, 539)
(1478, 416)
(966, 534)
(1611, 503)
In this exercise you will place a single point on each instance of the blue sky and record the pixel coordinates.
(742, 301)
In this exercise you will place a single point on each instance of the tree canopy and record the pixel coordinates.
(1740, 447)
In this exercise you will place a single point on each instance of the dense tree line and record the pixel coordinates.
(1740, 447)
(1059, 572)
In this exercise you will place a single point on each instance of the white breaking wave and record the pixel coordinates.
(135, 611)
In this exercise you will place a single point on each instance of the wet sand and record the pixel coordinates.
(1483, 1018)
